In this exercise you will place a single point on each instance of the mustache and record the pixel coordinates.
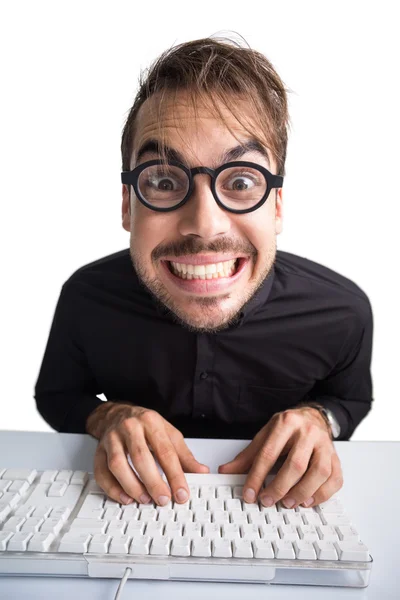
(192, 246)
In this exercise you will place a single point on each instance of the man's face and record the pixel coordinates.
(200, 232)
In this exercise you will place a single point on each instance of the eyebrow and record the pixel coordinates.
(152, 146)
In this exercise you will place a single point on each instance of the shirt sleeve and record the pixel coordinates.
(65, 391)
(347, 390)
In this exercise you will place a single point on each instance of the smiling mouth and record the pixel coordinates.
(219, 270)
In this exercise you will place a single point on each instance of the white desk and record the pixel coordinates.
(371, 494)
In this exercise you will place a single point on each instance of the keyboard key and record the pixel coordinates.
(52, 525)
(130, 512)
(140, 544)
(5, 510)
(117, 527)
(331, 506)
(250, 531)
(269, 532)
(330, 519)
(174, 528)
(166, 515)
(256, 518)
(184, 516)
(220, 516)
(120, 544)
(347, 534)
(90, 513)
(4, 485)
(40, 542)
(215, 504)
(5, 536)
(224, 491)
(79, 477)
(238, 517)
(89, 525)
(64, 476)
(221, 548)
(112, 513)
(10, 498)
(263, 549)
(231, 531)
(242, 548)
(153, 527)
(283, 549)
(48, 476)
(135, 528)
(75, 541)
(42, 511)
(325, 550)
(32, 524)
(160, 545)
(304, 549)
(327, 533)
(294, 518)
(99, 543)
(24, 474)
(201, 546)
(202, 516)
(57, 489)
(13, 524)
(352, 551)
(148, 515)
(19, 541)
(233, 504)
(238, 491)
(207, 491)
(60, 512)
(192, 530)
(275, 518)
(19, 486)
(308, 532)
(24, 511)
(180, 546)
(312, 518)
(212, 531)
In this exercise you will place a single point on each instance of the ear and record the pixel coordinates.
(126, 208)
(278, 212)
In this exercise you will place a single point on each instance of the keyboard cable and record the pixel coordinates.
(128, 571)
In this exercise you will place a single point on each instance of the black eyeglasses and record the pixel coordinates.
(239, 186)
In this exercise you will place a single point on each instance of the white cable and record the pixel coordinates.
(128, 571)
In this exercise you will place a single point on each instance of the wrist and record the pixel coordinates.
(319, 410)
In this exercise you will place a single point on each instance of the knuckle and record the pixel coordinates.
(165, 452)
(115, 461)
(298, 464)
(324, 470)
(267, 453)
(138, 453)
(289, 417)
(149, 417)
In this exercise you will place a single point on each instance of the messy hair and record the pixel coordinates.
(211, 69)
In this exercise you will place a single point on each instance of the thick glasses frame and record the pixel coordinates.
(132, 177)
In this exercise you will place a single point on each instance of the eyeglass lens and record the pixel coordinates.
(164, 186)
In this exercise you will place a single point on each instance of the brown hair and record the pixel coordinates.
(208, 69)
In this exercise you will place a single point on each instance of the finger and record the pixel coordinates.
(266, 457)
(144, 462)
(331, 486)
(110, 484)
(188, 461)
(317, 473)
(168, 458)
(292, 470)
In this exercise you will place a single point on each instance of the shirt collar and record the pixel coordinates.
(257, 301)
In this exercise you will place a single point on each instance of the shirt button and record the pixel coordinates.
(203, 416)
(203, 375)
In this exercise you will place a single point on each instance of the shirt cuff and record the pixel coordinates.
(75, 420)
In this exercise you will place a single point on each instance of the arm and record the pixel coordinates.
(66, 389)
(347, 390)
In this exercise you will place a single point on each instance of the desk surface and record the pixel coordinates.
(370, 495)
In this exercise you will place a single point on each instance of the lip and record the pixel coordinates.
(206, 286)
(203, 259)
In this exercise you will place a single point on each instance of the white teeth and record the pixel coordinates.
(212, 271)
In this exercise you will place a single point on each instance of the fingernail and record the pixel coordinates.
(125, 499)
(163, 500)
(144, 499)
(288, 502)
(266, 501)
(308, 502)
(249, 495)
(181, 495)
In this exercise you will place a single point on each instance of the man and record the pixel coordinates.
(203, 328)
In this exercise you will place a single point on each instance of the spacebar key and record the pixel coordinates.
(74, 542)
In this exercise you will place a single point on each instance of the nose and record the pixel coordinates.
(201, 215)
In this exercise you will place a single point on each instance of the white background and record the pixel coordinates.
(69, 74)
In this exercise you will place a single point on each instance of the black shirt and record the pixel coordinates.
(305, 335)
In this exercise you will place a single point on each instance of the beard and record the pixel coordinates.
(206, 314)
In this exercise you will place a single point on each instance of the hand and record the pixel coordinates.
(311, 473)
(126, 429)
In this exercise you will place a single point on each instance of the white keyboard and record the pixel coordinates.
(61, 523)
